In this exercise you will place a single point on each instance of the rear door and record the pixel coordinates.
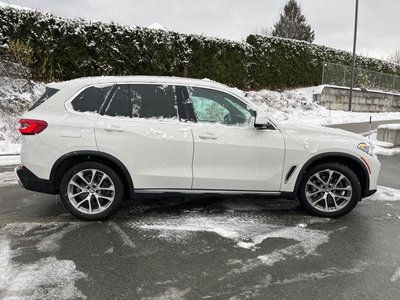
(140, 126)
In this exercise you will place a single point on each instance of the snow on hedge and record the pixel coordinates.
(69, 48)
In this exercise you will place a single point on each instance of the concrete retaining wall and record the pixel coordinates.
(390, 134)
(337, 98)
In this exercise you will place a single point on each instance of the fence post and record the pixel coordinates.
(394, 82)
(323, 72)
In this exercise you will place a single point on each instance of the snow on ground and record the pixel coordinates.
(385, 194)
(396, 275)
(48, 277)
(297, 106)
(246, 232)
(326, 273)
(8, 178)
(383, 148)
(9, 160)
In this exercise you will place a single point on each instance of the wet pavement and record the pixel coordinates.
(199, 247)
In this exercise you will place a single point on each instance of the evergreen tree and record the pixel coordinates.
(293, 24)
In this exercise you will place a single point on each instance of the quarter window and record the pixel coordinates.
(91, 99)
(143, 101)
(49, 92)
(218, 107)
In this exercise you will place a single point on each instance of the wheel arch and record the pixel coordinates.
(351, 161)
(68, 160)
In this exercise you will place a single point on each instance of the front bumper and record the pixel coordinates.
(31, 182)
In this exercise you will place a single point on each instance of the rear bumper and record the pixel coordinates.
(31, 182)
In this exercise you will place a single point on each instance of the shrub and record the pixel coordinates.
(62, 49)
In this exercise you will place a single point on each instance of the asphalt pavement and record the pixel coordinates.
(200, 247)
(363, 127)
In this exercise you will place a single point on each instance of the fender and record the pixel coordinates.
(333, 155)
(99, 154)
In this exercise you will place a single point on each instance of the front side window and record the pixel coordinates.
(143, 101)
(218, 107)
(91, 99)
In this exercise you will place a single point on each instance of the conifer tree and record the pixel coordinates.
(293, 24)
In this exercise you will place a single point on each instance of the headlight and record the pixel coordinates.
(367, 148)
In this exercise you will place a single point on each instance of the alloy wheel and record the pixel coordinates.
(91, 191)
(328, 190)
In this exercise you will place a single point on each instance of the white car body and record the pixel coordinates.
(165, 155)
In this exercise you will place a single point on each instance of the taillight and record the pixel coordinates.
(31, 127)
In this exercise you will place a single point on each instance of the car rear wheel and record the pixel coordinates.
(330, 190)
(91, 191)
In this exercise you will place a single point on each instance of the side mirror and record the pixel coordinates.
(262, 122)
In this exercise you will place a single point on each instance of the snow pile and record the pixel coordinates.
(383, 148)
(298, 106)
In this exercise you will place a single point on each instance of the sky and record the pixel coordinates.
(332, 20)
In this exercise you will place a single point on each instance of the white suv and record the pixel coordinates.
(97, 141)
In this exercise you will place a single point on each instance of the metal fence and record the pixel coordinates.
(340, 75)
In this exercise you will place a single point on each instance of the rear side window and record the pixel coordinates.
(91, 99)
(143, 101)
(49, 92)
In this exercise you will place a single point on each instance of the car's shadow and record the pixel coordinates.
(215, 204)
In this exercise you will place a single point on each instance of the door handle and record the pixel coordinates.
(207, 136)
(114, 128)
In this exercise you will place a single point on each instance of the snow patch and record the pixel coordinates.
(389, 126)
(385, 194)
(8, 178)
(326, 273)
(383, 148)
(52, 242)
(396, 275)
(247, 233)
(10, 160)
(47, 278)
(126, 240)
(173, 294)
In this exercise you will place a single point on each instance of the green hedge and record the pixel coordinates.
(69, 48)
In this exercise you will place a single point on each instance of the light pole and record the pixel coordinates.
(353, 71)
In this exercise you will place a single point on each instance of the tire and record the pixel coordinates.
(91, 191)
(330, 190)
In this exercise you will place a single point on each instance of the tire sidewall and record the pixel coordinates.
(119, 192)
(351, 176)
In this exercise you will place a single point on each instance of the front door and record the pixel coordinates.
(229, 153)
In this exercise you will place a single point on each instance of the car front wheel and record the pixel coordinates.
(330, 190)
(91, 191)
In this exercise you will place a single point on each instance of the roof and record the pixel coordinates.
(144, 79)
